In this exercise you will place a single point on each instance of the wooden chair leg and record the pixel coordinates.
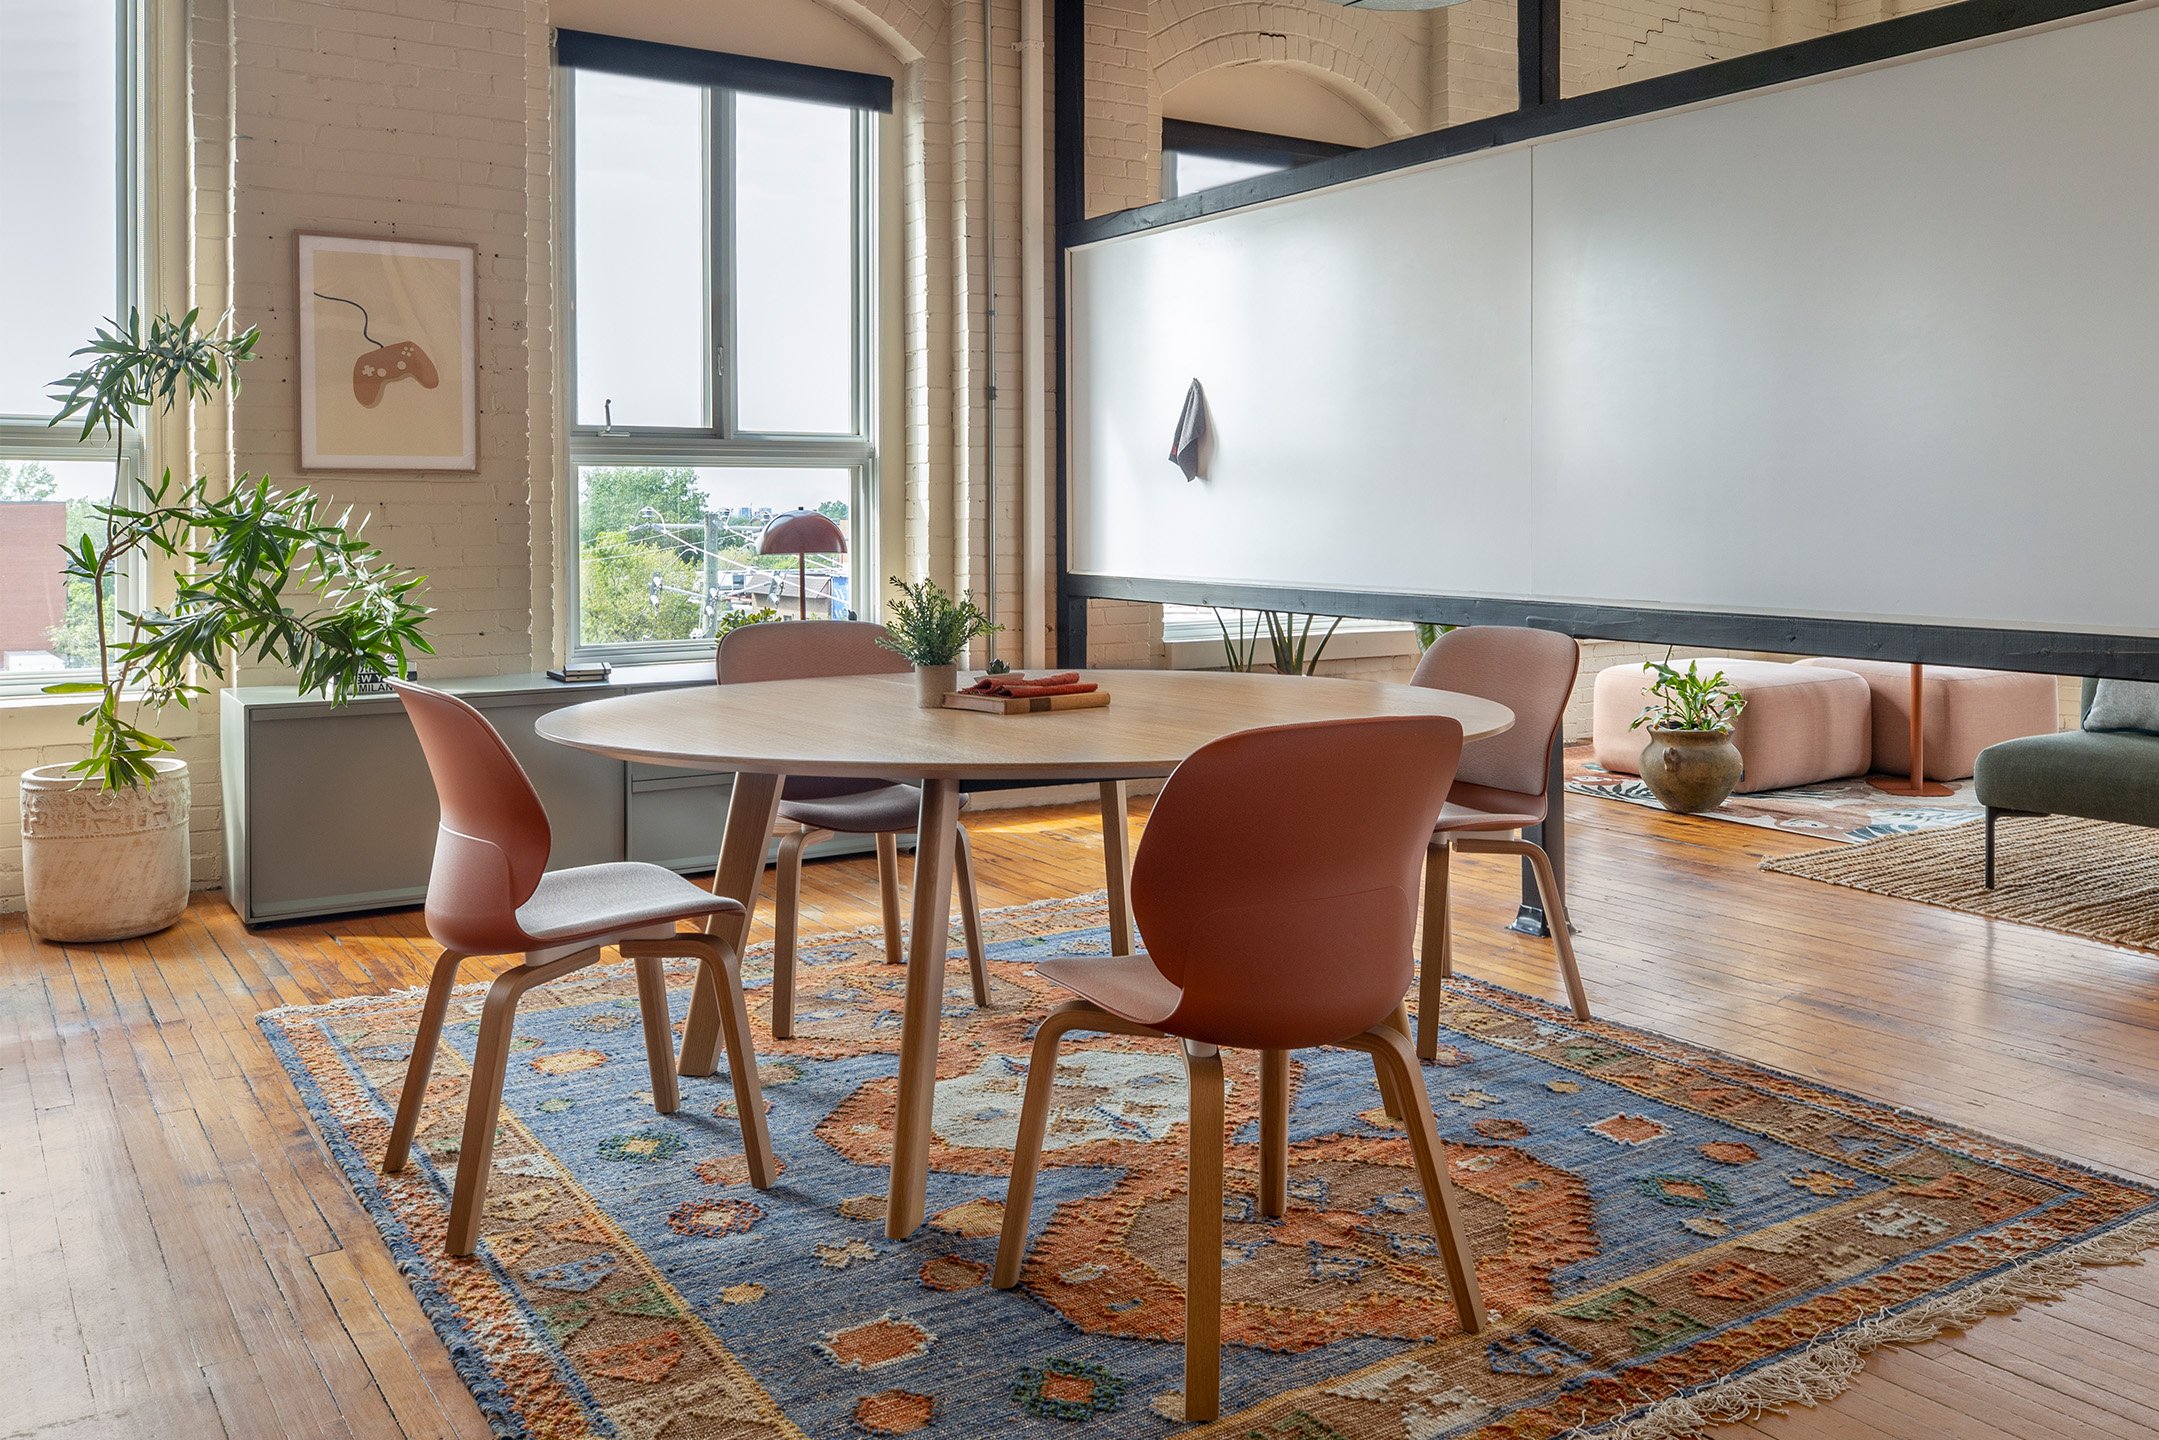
(963, 880)
(888, 889)
(1117, 863)
(1437, 962)
(1555, 920)
(1273, 1132)
(786, 928)
(1391, 1099)
(1203, 1238)
(1390, 1051)
(659, 1032)
(1027, 1146)
(424, 1044)
(483, 1103)
(742, 1069)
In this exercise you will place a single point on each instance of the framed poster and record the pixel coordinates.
(388, 370)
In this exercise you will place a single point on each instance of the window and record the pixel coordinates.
(719, 214)
(67, 163)
(1199, 157)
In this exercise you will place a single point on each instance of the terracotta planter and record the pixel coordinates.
(104, 864)
(933, 683)
(1690, 771)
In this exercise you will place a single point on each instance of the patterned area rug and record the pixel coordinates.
(1668, 1236)
(1848, 811)
(2081, 877)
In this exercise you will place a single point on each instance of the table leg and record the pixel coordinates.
(1117, 863)
(1916, 783)
(752, 807)
(927, 941)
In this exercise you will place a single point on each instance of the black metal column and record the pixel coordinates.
(1536, 29)
(1552, 835)
(1069, 118)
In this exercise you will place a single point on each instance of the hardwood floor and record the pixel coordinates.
(180, 1258)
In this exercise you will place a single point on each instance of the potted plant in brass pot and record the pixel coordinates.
(260, 572)
(931, 629)
(1690, 763)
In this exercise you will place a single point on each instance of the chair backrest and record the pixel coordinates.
(1531, 672)
(804, 650)
(492, 845)
(1277, 880)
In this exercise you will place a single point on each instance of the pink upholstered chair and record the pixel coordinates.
(1276, 892)
(827, 806)
(490, 894)
(1502, 787)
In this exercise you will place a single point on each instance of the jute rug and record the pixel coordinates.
(2081, 877)
(1668, 1236)
(1850, 811)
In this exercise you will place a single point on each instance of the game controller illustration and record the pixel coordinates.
(378, 368)
(385, 364)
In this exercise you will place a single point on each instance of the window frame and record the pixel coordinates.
(33, 437)
(1223, 142)
(723, 443)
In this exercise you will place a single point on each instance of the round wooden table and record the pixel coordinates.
(870, 725)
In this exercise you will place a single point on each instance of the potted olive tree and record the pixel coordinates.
(259, 572)
(1690, 763)
(931, 629)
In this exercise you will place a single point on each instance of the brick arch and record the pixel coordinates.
(1332, 48)
(908, 28)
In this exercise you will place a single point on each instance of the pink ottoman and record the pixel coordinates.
(1966, 711)
(1802, 724)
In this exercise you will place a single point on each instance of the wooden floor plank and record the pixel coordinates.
(179, 1255)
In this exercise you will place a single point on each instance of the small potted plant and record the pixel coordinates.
(1690, 763)
(931, 629)
(261, 572)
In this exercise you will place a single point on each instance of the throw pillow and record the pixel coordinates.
(2124, 705)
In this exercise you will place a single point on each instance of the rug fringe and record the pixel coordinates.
(1828, 1365)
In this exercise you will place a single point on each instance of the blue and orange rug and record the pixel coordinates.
(1668, 1236)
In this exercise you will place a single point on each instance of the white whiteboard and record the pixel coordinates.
(1885, 346)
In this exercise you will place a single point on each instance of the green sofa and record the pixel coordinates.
(2094, 775)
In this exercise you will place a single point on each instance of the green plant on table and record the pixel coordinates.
(245, 558)
(1689, 700)
(930, 628)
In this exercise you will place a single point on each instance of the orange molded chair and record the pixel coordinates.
(825, 806)
(1501, 789)
(1276, 892)
(490, 894)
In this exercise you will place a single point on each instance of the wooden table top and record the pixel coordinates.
(870, 725)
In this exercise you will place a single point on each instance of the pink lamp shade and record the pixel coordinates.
(800, 533)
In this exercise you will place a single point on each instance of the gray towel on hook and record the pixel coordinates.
(1191, 432)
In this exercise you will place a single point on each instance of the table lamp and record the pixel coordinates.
(802, 533)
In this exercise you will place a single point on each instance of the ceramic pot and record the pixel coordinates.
(933, 683)
(1690, 771)
(104, 864)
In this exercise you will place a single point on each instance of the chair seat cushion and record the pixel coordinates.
(595, 900)
(2094, 775)
(888, 809)
(1479, 807)
(1125, 985)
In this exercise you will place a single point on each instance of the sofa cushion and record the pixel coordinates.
(2098, 775)
(2124, 705)
(1801, 725)
(1966, 711)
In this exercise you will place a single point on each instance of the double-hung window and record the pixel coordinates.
(68, 165)
(720, 353)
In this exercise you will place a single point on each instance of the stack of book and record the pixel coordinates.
(590, 673)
